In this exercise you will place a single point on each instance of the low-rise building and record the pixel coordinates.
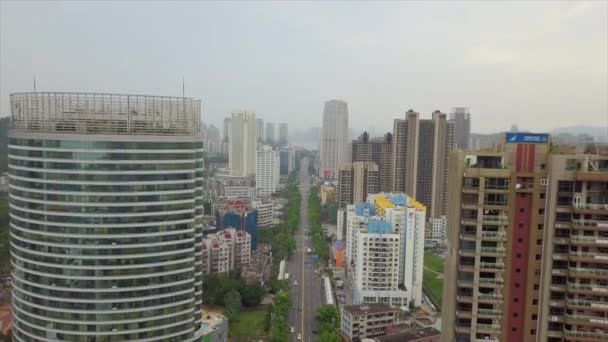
(436, 230)
(239, 214)
(366, 321)
(411, 334)
(215, 327)
(225, 251)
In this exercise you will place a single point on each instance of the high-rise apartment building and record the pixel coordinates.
(495, 241)
(212, 141)
(356, 181)
(385, 249)
(462, 127)
(283, 133)
(287, 161)
(260, 129)
(226, 251)
(334, 138)
(105, 217)
(267, 171)
(574, 281)
(243, 144)
(227, 129)
(269, 132)
(405, 153)
(420, 154)
(379, 151)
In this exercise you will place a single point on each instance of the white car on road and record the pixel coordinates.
(293, 330)
(299, 336)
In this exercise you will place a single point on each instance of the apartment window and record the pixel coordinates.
(543, 181)
(521, 210)
(540, 226)
(533, 332)
(515, 300)
(534, 317)
(534, 301)
(542, 195)
(516, 284)
(537, 256)
(518, 255)
(520, 240)
(513, 329)
(541, 211)
(515, 314)
(536, 289)
(518, 270)
(539, 242)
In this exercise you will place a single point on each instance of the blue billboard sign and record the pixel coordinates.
(528, 138)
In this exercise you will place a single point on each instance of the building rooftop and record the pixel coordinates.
(103, 113)
(366, 309)
(406, 336)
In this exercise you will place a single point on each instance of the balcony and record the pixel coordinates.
(586, 335)
(497, 220)
(560, 255)
(591, 208)
(491, 266)
(557, 303)
(587, 304)
(586, 320)
(467, 252)
(592, 176)
(490, 298)
(491, 282)
(463, 329)
(489, 313)
(590, 224)
(589, 240)
(464, 299)
(466, 268)
(589, 257)
(488, 328)
(463, 314)
(468, 237)
(465, 283)
(493, 236)
(574, 287)
(468, 221)
(495, 251)
(587, 272)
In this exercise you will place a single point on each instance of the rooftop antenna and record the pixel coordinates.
(183, 87)
(34, 82)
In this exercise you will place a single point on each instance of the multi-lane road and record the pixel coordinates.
(307, 292)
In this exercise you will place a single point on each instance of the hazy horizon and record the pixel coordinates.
(540, 65)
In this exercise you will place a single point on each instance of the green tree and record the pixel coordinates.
(329, 336)
(232, 304)
(290, 246)
(251, 295)
(328, 314)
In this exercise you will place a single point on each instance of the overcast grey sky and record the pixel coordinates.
(540, 65)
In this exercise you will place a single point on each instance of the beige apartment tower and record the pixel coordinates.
(574, 301)
(333, 147)
(243, 144)
(380, 151)
(356, 181)
(497, 202)
(420, 154)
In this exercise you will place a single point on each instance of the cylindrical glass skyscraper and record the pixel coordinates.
(105, 217)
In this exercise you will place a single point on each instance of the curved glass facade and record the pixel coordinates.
(104, 230)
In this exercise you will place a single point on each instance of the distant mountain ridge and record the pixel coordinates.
(594, 131)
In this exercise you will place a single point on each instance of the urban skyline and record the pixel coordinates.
(397, 171)
(506, 72)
